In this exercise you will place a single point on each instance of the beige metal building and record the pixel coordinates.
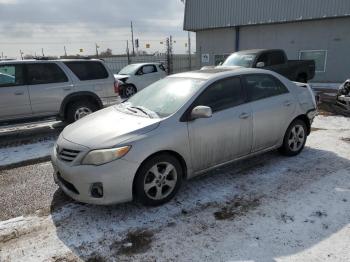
(305, 29)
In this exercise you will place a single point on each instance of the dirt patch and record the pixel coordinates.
(237, 207)
(136, 242)
(319, 214)
(286, 218)
(96, 258)
(314, 129)
(346, 139)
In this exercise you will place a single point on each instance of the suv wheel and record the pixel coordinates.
(80, 109)
(294, 139)
(158, 180)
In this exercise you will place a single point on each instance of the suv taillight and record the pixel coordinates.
(116, 87)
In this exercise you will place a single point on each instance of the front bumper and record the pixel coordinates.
(77, 180)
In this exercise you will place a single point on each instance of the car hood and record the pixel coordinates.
(107, 128)
(121, 77)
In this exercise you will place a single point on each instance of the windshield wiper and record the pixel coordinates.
(146, 111)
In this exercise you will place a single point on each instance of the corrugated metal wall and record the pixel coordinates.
(205, 14)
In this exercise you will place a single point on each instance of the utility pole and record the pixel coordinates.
(132, 39)
(42, 52)
(20, 51)
(169, 47)
(127, 51)
(97, 47)
(65, 51)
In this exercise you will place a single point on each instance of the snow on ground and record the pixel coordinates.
(325, 85)
(269, 208)
(28, 126)
(331, 122)
(21, 153)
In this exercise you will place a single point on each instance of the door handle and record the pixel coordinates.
(67, 88)
(244, 116)
(287, 103)
(19, 93)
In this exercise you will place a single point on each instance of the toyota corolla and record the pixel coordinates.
(178, 128)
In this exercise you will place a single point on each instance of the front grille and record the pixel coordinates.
(68, 155)
(68, 185)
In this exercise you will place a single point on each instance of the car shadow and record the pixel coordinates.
(91, 232)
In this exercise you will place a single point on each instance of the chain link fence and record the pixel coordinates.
(178, 62)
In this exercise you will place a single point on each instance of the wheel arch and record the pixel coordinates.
(306, 120)
(162, 152)
(78, 96)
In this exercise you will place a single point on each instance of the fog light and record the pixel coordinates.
(97, 190)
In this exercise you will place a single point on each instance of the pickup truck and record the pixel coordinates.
(275, 60)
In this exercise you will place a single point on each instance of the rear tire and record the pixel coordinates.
(294, 138)
(79, 109)
(158, 180)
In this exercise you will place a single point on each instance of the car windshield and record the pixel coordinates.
(164, 97)
(128, 70)
(244, 60)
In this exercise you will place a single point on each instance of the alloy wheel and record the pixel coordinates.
(296, 138)
(129, 91)
(160, 181)
(82, 112)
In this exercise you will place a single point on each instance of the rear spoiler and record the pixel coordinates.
(302, 84)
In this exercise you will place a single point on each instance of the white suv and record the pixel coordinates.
(67, 89)
(137, 76)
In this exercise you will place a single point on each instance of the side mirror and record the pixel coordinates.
(201, 112)
(260, 64)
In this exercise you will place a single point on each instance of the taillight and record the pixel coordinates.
(116, 87)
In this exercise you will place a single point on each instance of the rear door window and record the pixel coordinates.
(11, 75)
(87, 70)
(45, 73)
(262, 86)
(223, 94)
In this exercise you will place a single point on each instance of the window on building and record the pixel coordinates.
(222, 94)
(262, 86)
(319, 56)
(11, 75)
(45, 73)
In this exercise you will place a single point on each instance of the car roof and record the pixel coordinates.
(257, 51)
(142, 64)
(46, 61)
(221, 71)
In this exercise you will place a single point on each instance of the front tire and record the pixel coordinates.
(158, 180)
(129, 91)
(294, 139)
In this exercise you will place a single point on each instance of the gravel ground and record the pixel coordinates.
(269, 208)
(31, 187)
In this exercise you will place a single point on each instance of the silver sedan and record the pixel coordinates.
(178, 128)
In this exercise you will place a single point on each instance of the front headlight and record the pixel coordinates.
(103, 156)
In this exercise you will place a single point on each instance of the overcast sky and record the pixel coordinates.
(30, 25)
